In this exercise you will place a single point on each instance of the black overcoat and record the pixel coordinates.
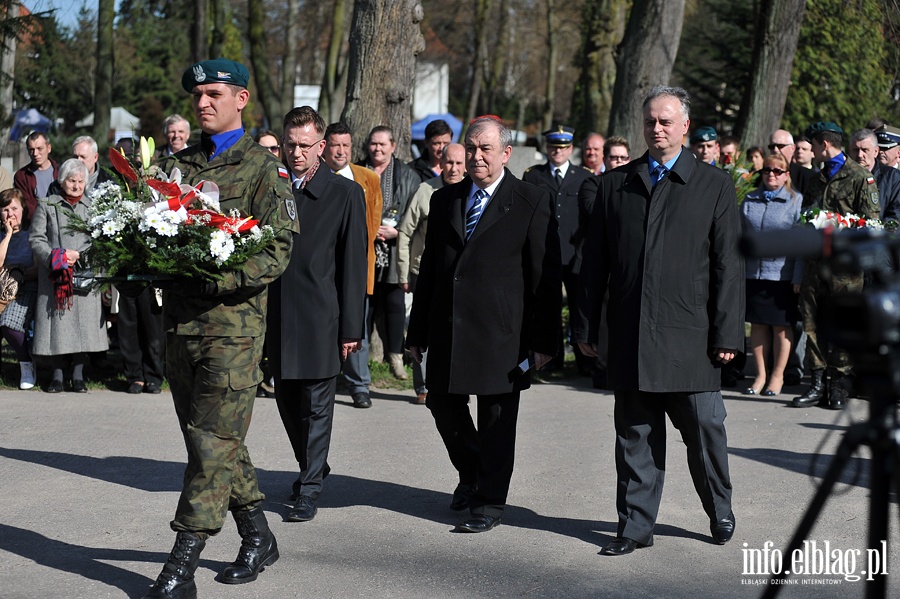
(670, 258)
(566, 196)
(321, 295)
(480, 306)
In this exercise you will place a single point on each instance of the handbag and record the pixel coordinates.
(9, 287)
(82, 277)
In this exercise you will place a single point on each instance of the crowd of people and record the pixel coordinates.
(643, 248)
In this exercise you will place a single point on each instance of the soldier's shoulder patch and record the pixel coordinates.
(291, 208)
(870, 180)
(283, 173)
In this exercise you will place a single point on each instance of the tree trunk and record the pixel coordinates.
(552, 54)
(498, 63)
(217, 38)
(289, 66)
(775, 43)
(604, 29)
(328, 105)
(384, 40)
(482, 10)
(259, 58)
(103, 84)
(645, 60)
(7, 75)
(199, 32)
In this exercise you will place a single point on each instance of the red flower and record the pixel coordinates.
(169, 190)
(120, 163)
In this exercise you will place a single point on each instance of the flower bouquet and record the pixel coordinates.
(822, 219)
(154, 227)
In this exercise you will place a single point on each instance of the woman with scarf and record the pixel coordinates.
(398, 184)
(772, 283)
(67, 326)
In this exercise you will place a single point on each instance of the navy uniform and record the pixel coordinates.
(564, 189)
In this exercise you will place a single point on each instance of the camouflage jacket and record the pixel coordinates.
(252, 180)
(852, 190)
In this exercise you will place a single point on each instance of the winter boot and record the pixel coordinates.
(258, 547)
(176, 581)
(815, 394)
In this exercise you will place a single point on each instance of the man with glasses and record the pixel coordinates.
(782, 142)
(563, 180)
(316, 308)
(616, 153)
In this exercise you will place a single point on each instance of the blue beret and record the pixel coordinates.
(561, 136)
(888, 137)
(704, 134)
(823, 126)
(218, 70)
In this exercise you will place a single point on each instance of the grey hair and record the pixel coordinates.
(679, 93)
(86, 139)
(70, 167)
(481, 123)
(172, 119)
(861, 134)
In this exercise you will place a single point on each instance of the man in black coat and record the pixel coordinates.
(316, 310)
(488, 296)
(663, 239)
(563, 180)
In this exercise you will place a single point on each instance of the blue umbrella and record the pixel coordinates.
(28, 120)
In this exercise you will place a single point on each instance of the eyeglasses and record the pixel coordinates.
(772, 147)
(273, 149)
(304, 148)
(774, 171)
(618, 158)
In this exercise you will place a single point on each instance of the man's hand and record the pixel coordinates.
(405, 287)
(348, 346)
(588, 349)
(541, 360)
(416, 352)
(386, 232)
(724, 355)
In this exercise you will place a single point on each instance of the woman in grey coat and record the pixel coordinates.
(66, 326)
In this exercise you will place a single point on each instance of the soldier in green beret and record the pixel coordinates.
(215, 333)
(842, 186)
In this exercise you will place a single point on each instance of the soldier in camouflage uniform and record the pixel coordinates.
(843, 186)
(215, 333)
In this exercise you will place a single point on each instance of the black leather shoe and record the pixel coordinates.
(461, 496)
(55, 387)
(176, 581)
(152, 388)
(135, 388)
(304, 510)
(258, 547)
(837, 392)
(478, 523)
(78, 386)
(723, 530)
(622, 546)
(815, 394)
(361, 400)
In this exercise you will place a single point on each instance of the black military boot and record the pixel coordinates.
(837, 391)
(176, 581)
(258, 547)
(815, 394)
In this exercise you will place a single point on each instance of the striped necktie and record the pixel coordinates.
(658, 173)
(474, 213)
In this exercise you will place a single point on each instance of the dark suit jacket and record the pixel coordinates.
(888, 181)
(675, 277)
(320, 297)
(481, 305)
(566, 196)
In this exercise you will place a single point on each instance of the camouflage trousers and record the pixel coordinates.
(213, 382)
(814, 289)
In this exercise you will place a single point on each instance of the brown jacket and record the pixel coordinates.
(371, 184)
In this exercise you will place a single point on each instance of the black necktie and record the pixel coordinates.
(559, 178)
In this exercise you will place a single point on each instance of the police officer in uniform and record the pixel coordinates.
(214, 337)
(845, 187)
(563, 180)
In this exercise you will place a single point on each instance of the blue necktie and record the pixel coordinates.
(658, 173)
(474, 213)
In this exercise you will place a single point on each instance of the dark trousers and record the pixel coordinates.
(484, 456)
(142, 339)
(571, 284)
(388, 302)
(640, 420)
(307, 411)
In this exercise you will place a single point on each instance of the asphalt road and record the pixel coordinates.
(90, 482)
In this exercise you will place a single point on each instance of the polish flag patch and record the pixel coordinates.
(282, 172)
(870, 180)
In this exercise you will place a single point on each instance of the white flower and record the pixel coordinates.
(221, 246)
(110, 228)
(166, 229)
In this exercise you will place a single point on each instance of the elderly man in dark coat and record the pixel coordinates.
(663, 239)
(316, 311)
(488, 295)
